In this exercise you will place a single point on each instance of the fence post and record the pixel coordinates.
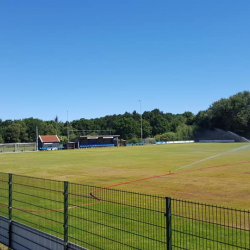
(168, 221)
(65, 224)
(10, 211)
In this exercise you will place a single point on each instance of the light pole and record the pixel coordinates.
(68, 125)
(141, 119)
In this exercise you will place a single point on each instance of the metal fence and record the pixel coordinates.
(18, 147)
(98, 218)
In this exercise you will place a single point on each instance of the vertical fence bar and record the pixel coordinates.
(65, 224)
(10, 211)
(168, 221)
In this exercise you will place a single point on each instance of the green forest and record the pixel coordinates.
(231, 114)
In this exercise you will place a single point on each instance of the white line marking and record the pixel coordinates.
(214, 156)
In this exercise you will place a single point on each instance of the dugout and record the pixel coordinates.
(70, 145)
(123, 143)
(96, 141)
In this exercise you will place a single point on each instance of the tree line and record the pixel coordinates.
(231, 114)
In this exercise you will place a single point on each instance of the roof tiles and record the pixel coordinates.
(49, 138)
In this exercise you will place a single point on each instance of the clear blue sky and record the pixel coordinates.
(99, 57)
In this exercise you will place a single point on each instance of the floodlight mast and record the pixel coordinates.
(37, 138)
(68, 125)
(141, 119)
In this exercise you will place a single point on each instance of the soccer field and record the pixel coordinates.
(190, 177)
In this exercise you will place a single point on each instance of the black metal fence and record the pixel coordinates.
(101, 218)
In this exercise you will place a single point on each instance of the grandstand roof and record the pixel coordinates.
(97, 136)
(49, 138)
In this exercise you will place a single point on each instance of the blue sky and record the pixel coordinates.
(97, 58)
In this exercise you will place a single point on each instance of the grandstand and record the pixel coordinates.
(96, 141)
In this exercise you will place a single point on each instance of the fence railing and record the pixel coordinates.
(18, 147)
(101, 218)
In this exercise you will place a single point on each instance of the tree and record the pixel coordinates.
(56, 119)
(31, 124)
(49, 129)
(63, 139)
(189, 118)
(169, 136)
(16, 132)
(232, 114)
(177, 121)
(185, 132)
(221, 114)
(146, 129)
(127, 128)
(203, 120)
(159, 125)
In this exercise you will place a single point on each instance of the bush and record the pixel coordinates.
(134, 140)
(169, 136)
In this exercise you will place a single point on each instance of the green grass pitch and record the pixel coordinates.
(226, 185)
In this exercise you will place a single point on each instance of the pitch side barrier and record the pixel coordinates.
(173, 142)
(47, 214)
(24, 237)
(217, 141)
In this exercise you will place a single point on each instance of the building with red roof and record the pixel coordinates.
(48, 142)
